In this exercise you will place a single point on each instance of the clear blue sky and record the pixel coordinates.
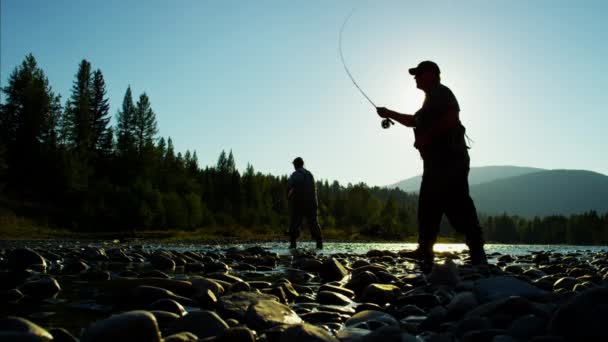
(264, 79)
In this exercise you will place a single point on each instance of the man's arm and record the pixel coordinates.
(404, 119)
(444, 124)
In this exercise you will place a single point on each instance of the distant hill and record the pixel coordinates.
(543, 193)
(477, 175)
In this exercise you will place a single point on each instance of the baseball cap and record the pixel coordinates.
(425, 66)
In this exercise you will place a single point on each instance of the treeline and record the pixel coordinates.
(65, 164)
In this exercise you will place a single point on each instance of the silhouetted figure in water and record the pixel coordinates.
(440, 139)
(303, 194)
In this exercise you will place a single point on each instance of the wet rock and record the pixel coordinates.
(332, 270)
(332, 298)
(237, 334)
(166, 304)
(164, 318)
(162, 262)
(380, 293)
(23, 258)
(236, 304)
(42, 288)
(361, 280)
(14, 327)
(181, 337)
(308, 264)
(351, 334)
(583, 317)
(62, 335)
(493, 288)
(154, 274)
(482, 335)
(364, 318)
(306, 332)
(201, 323)
(266, 314)
(128, 326)
(203, 284)
(74, 267)
(123, 287)
(240, 286)
(146, 295)
(565, 283)
(338, 289)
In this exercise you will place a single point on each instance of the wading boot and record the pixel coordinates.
(479, 260)
(319, 244)
(424, 257)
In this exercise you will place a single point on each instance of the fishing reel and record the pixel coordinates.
(386, 123)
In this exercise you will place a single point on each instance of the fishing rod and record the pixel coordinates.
(386, 123)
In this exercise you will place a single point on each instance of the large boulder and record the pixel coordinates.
(23, 258)
(489, 289)
(235, 305)
(203, 324)
(266, 314)
(128, 326)
(332, 270)
(20, 329)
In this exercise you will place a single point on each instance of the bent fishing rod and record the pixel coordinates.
(386, 122)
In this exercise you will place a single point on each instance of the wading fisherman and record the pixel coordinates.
(440, 139)
(302, 192)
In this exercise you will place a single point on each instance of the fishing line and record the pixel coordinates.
(386, 122)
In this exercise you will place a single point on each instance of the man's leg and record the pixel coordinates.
(315, 228)
(294, 228)
(430, 210)
(462, 214)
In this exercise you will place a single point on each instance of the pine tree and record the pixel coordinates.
(125, 129)
(100, 112)
(79, 116)
(144, 123)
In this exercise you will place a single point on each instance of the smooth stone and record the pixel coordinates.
(164, 318)
(240, 286)
(308, 264)
(332, 298)
(235, 305)
(332, 270)
(123, 287)
(203, 324)
(504, 338)
(565, 283)
(470, 324)
(237, 334)
(422, 300)
(62, 335)
(203, 284)
(162, 262)
(368, 316)
(380, 293)
(306, 332)
(19, 325)
(95, 275)
(582, 317)
(42, 288)
(349, 334)
(361, 280)
(10, 296)
(489, 289)
(154, 274)
(338, 289)
(181, 337)
(128, 326)
(23, 258)
(146, 295)
(169, 305)
(266, 314)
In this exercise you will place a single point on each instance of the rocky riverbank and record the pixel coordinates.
(70, 292)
